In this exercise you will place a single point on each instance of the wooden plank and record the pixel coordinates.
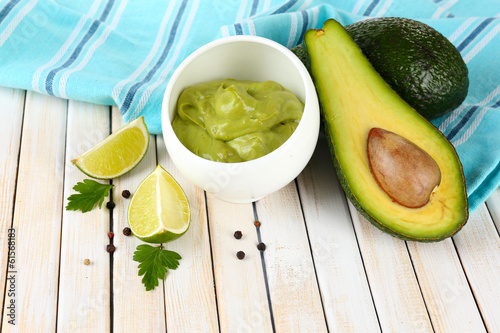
(447, 294)
(190, 303)
(11, 113)
(134, 309)
(344, 288)
(84, 290)
(395, 290)
(478, 245)
(293, 287)
(37, 215)
(241, 289)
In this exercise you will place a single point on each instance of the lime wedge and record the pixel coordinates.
(159, 210)
(118, 153)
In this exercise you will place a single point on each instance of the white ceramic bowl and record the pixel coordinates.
(244, 58)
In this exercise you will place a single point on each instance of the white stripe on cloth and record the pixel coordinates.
(64, 49)
(16, 20)
(241, 11)
(293, 30)
(358, 6)
(384, 8)
(443, 8)
(472, 127)
(304, 6)
(154, 51)
(251, 28)
(164, 74)
(239, 16)
(101, 40)
(452, 117)
(225, 31)
(457, 112)
(315, 11)
(267, 5)
(453, 37)
(482, 43)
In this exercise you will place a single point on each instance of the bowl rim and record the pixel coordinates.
(303, 72)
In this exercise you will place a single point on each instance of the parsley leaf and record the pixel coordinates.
(154, 262)
(91, 193)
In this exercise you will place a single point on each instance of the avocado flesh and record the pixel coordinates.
(354, 99)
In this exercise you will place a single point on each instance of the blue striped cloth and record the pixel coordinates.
(122, 52)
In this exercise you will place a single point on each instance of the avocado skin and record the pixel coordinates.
(418, 62)
(301, 52)
(344, 182)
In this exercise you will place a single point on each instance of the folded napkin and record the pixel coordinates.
(122, 52)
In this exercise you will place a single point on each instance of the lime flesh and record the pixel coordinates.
(119, 153)
(159, 210)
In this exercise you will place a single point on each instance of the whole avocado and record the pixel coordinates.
(418, 62)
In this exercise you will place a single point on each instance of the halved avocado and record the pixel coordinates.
(360, 110)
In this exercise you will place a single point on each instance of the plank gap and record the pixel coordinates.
(111, 257)
(312, 254)
(469, 284)
(14, 203)
(162, 282)
(62, 213)
(164, 301)
(212, 260)
(362, 259)
(111, 303)
(155, 137)
(264, 271)
(419, 286)
(18, 160)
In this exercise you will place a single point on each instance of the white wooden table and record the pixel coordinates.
(325, 267)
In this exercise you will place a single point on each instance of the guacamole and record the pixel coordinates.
(235, 121)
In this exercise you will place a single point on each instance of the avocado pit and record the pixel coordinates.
(403, 170)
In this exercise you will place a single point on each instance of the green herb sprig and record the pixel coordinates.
(154, 263)
(90, 194)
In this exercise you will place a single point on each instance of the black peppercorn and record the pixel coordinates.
(238, 234)
(110, 248)
(126, 194)
(127, 231)
(261, 246)
(240, 255)
(257, 224)
(110, 205)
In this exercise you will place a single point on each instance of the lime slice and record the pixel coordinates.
(118, 153)
(159, 210)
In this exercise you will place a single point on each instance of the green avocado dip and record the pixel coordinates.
(235, 121)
